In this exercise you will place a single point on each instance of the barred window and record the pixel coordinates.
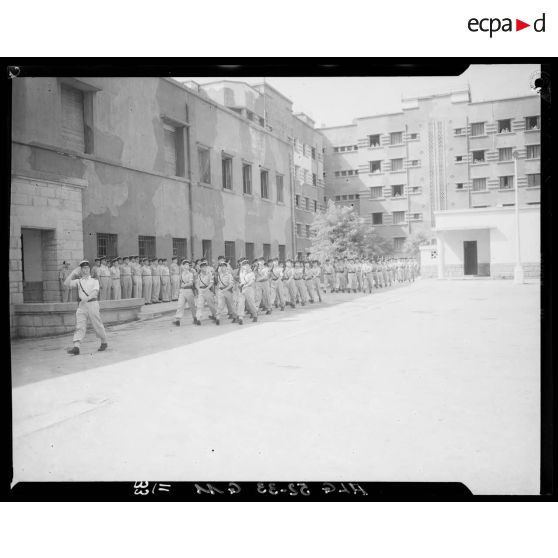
(532, 123)
(146, 247)
(107, 245)
(179, 248)
(230, 251)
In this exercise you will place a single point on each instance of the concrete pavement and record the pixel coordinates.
(433, 381)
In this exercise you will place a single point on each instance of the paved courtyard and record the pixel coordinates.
(436, 381)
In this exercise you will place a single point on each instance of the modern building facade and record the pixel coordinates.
(440, 153)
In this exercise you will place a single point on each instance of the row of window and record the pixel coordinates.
(107, 246)
(394, 165)
(349, 172)
(309, 205)
(300, 230)
(503, 126)
(227, 175)
(304, 149)
(343, 148)
(504, 154)
(397, 217)
(505, 182)
(347, 197)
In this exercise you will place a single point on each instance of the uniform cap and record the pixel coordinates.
(126, 257)
(83, 262)
(203, 261)
(185, 260)
(97, 259)
(174, 258)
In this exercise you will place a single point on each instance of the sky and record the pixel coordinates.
(335, 101)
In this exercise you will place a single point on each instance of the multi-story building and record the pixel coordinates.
(441, 152)
(115, 166)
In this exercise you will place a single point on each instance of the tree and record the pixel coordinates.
(340, 232)
(413, 243)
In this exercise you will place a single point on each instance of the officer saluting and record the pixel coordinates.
(88, 292)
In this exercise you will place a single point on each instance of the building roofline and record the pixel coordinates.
(400, 113)
(534, 96)
(334, 127)
(434, 95)
(265, 84)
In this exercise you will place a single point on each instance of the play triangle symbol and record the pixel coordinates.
(519, 25)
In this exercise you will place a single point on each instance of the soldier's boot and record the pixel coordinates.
(102, 347)
(73, 351)
(217, 322)
(254, 318)
(239, 321)
(176, 322)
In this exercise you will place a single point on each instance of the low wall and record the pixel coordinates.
(40, 319)
(505, 270)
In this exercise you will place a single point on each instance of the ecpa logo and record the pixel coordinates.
(494, 24)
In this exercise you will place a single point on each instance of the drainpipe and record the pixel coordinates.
(469, 185)
(190, 208)
(293, 194)
(408, 178)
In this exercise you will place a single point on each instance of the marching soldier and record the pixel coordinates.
(351, 275)
(88, 292)
(165, 280)
(126, 278)
(204, 282)
(329, 276)
(367, 276)
(262, 286)
(288, 281)
(186, 294)
(299, 282)
(116, 291)
(276, 284)
(224, 287)
(105, 280)
(358, 270)
(155, 282)
(308, 277)
(246, 279)
(174, 278)
(317, 272)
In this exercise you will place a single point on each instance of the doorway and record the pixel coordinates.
(32, 265)
(470, 260)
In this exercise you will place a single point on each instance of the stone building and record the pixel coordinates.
(439, 153)
(148, 166)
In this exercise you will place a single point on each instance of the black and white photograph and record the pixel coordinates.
(291, 281)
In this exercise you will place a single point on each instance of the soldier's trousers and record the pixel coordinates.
(89, 310)
(340, 284)
(185, 296)
(318, 288)
(137, 286)
(155, 288)
(378, 278)
(367, 282)
(277, 294)
(262, 294)
(329, 281)
(175, 284)
(359, 281)
(126, 284)
(146, 287)
(352, 281)
(116, 292)
(246, 301)
(165, 288)
(310, 288)
(205, 296)
(104, 290)
(225, 306)
(290, 290)
(301, 290)
(386, 278)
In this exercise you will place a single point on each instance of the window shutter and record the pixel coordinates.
(72, 118)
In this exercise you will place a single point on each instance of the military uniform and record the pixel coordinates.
(224, 289)
(367, 276)
(165, 280)
(246, 279)
(155, 282)
(308, 276)
(204, 282)
(126, 278)
(329, 276)
(146, 280)
(340, 284)
(317, 272)
(95, 269)
(88, 307)
(105, 280)
(137, 283)
(351, 275)
(116, 290)
(186, 287)
(298, 276)
(174, 278)
(288, 281)
(262, 294)
(276, 285)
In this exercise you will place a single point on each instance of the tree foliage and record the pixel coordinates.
(414, 241)
(340, 232)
